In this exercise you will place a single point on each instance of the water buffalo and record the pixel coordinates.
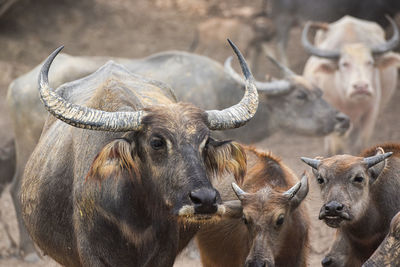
(388, 252)
(353, 65)
(286, 13)
(292, 105)
(114, 189)
(360, 197)
(267, 227)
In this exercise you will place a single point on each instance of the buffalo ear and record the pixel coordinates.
(113, 159)
(226, 156)
(388, 60)
(326, 67)
(233, 209)
(298, 192)
(376, 170)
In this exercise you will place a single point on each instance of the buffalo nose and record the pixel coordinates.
(343, 120)
(204, 200)
(326, 261)
(256, 263)
(361, 86)
(333, 207)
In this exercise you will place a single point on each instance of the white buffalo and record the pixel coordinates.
(353, 64)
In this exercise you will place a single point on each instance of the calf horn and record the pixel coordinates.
(238, 191)
(80, 116)
(371, 161)
(239, 114)
(270, 88)
(391, 44)
(312, 162)
(313, 50)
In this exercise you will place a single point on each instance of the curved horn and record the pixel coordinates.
(315, 50)
(391, 44)
(288, 72)
(270, 88)
(312, 162)
(237, 115)
(79, 116)
(238, 191)
(371, 161)
(293, 191)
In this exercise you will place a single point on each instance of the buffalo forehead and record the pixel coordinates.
(340, 165)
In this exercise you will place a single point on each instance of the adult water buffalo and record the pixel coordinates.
(267, 227)
(353, 65)
(360, 197)
(286, 13)
(117, 196)
(388, 252)
(291, 104)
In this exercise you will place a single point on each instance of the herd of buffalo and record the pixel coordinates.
(122, 162)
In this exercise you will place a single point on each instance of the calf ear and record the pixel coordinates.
(375, 170)
(388, 60)
(221, 157)
(326, 67)
(113, 159)
(233, 209)
(298, 192)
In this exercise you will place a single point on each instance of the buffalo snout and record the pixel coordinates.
(333, 213)
(205, 200)
(258, 263)
(342, 123)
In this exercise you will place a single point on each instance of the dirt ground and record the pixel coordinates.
(30, 30)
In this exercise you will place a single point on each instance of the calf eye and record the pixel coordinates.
(157, 143)
(280, 220)
(244, 220)
(301, 95)
(358, 179)
(320, 180)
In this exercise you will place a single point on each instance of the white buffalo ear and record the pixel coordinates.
(388, 60)
(326, 67)
(298, 192)
(233, 209)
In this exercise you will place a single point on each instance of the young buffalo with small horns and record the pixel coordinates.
(267, 226)
(117, 196)
(361, 196)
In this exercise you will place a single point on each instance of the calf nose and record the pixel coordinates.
(333, 207)
(327, 261)
(257, 263)
(204, 200)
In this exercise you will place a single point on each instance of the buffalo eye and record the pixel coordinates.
(245, 220)
(320, 180)
(358, 179)
(301, 95)
(345, 64)
(157, 143)
(280, 220)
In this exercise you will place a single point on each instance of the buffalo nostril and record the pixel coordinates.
(195, 199)
(326, 261)
(204, 200)
(339, 207)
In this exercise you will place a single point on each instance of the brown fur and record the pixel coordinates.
(229, 242)
(369, 204)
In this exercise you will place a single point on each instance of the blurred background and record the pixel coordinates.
(31, 29)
